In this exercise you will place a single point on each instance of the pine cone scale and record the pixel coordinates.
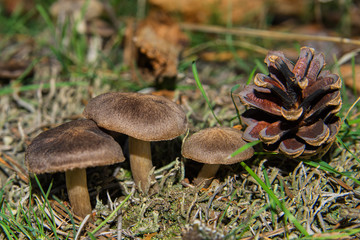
(261, 98)
(292, 147)
(315, 134)
(272, 133)
(301, 66)
(316, 65)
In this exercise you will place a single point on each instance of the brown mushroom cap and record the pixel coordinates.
(214, 146)
(76, 144)
(141, 116)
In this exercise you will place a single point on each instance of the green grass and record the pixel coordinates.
(199, 85)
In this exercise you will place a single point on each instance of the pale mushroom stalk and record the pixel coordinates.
(208, 171)
(78, 193)
(140, 162)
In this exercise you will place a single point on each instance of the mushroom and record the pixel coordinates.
(144, 118)
(213, 146)
(71, 148)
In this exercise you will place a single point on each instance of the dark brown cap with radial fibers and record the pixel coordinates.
(71, 148)
(141, 116)
(76, 144)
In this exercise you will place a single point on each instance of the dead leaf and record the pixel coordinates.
(149, 236)
(13, 165)
(14, 68)
(16, 57)
(165, 93)
(155, 45)
(206, 10)
(338, 235)
(341, 183)
(18, 5)
(223, 56)
(347, 76)
(288, 7)
(129, 54)
(238, 127)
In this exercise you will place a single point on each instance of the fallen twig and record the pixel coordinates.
(249, 32)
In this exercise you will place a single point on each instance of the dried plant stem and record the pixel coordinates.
(83, 223)
(219, 42)
(265, 33)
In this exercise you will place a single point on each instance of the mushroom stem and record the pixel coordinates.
(140, 163)
(208, 171)
(78, 191)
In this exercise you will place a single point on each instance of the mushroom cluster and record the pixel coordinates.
(293, 109)
(76, 145)
(144, 118)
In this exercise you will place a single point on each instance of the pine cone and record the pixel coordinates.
(293, 109)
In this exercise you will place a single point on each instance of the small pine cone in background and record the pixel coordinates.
(293, 109)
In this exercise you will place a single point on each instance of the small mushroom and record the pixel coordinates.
(144, 118)
(213, 146)
(71, 148)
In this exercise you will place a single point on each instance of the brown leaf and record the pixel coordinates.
(204, 11)
(241, 11)
(18, 5)
(149, 236)
(347, 76)
(288, 7)
(341, 183)
(165, 93)
(222, 56)
(155, 46)
(13, 68)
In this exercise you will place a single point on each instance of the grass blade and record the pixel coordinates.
(326, 167)
(198, 83)
(276, 200)
(52, 223)
(46, 17)
(243, 148)
(226, 209)
(347, 149)
(113, 213)
(251, 76)
(68, 212)
(233, 89)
